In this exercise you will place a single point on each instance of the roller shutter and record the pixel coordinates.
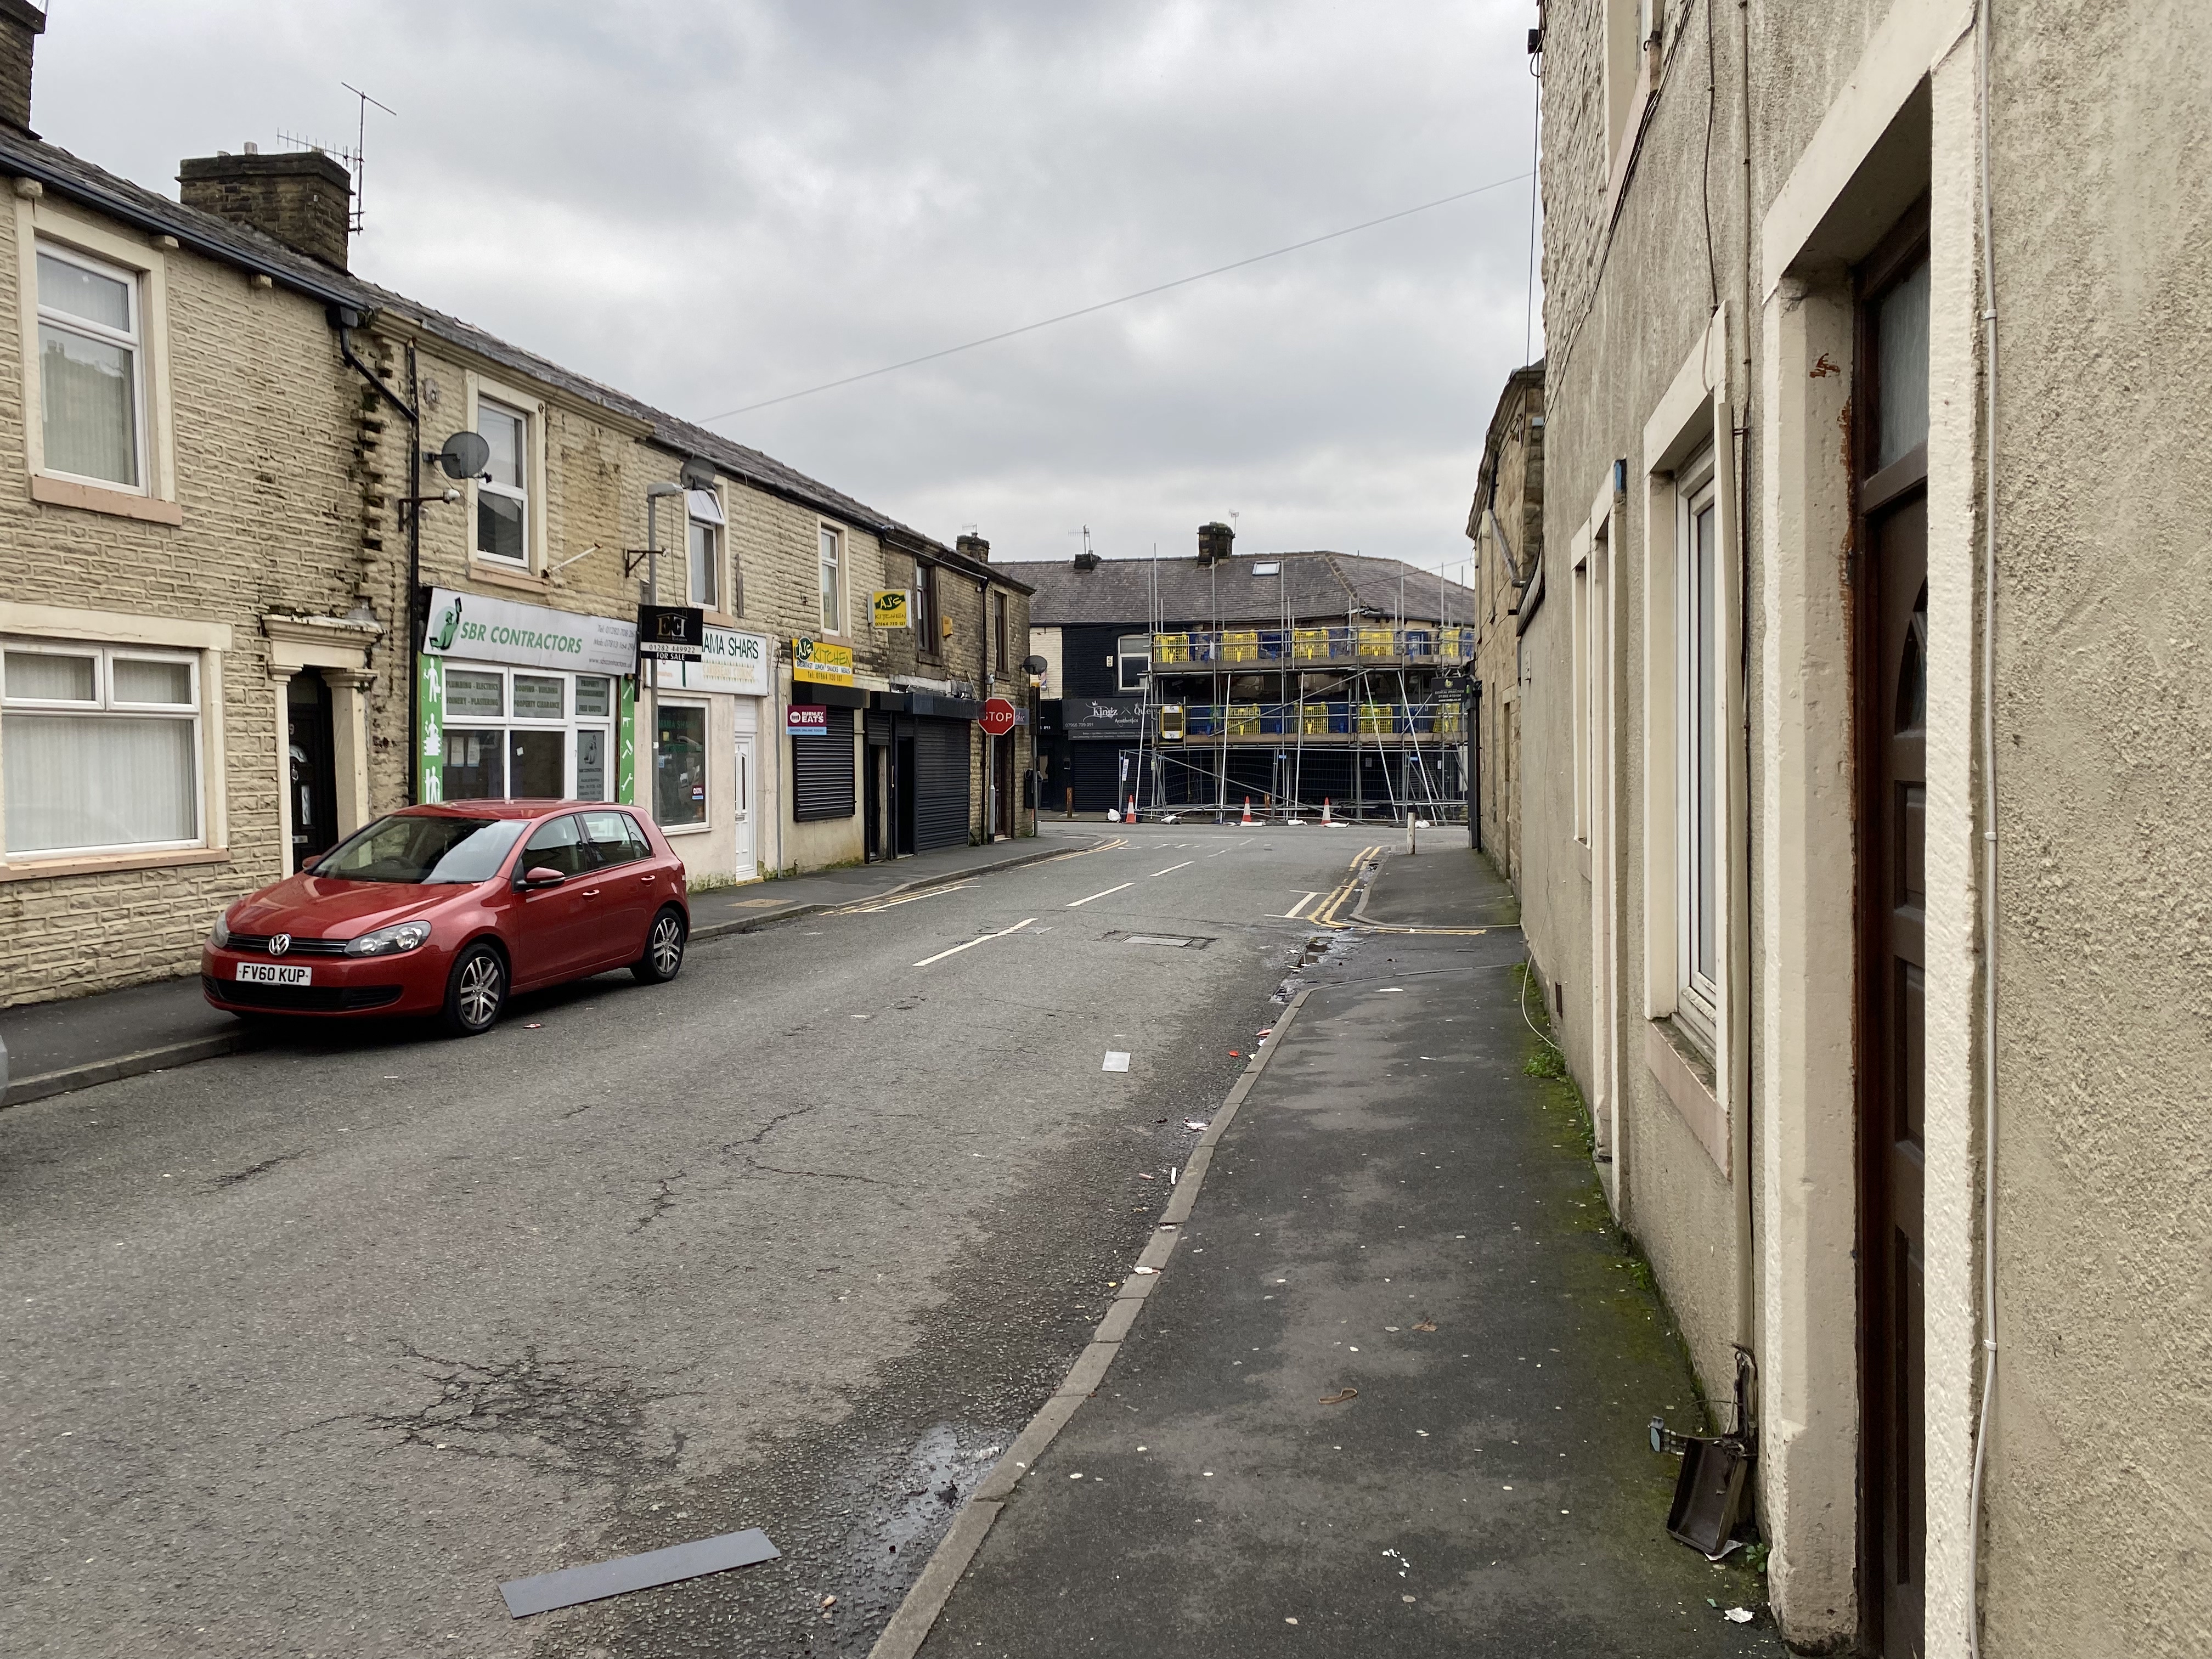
(941, 766)
(822, 772)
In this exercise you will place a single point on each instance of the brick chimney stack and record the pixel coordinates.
(974, 547)
(21, 26)
(304, 198)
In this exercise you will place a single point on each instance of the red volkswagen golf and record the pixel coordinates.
(446, 910)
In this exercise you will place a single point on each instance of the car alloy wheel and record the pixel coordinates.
(664, 948)
(477, 990)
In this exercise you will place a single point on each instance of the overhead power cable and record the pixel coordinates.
(1107, 305)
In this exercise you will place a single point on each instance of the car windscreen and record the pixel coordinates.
(424, 850)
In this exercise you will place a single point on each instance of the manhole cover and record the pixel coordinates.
(1172, 941)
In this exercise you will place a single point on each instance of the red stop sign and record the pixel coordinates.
(997, 718)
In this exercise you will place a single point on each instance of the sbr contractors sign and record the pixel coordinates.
(468, 626)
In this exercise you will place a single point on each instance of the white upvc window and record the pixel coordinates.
(1699, 650)
(92, 379)
(703, 548)
(101, 749)
(527, 733)
(503, 494)
(833, 580)
(1134, 653)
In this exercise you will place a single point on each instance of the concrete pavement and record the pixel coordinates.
(1389, 1394)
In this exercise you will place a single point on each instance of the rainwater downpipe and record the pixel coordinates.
(344, 319)
(1989, 843)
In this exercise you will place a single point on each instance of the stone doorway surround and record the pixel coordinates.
(337, 649)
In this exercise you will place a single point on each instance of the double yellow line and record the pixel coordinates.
(1324, 914)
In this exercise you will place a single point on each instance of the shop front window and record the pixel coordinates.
(516, 734)
(680, 765)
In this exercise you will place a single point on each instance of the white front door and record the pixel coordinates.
(748, 867)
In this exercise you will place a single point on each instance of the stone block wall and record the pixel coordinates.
(269, 437)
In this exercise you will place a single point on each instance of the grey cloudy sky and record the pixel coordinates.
(715, 204)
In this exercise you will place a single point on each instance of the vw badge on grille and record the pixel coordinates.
(280, 944)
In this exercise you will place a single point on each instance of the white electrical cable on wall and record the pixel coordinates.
(1989, 844)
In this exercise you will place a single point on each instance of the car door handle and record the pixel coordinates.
(648, 880)
(591, 892)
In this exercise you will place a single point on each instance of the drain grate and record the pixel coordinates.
(1172, 941)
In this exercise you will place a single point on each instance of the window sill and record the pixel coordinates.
(94, 864)
(684, 829)
(117, 503)
(498, 575)
(1687, 1079)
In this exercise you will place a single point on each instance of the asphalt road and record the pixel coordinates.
(306, 1350)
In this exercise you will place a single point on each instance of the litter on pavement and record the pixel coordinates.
(1142, 1271)
(573, 1585)
(1116, 1060)
(1340, 1396)
(1196, 1123)
(1739, 1615)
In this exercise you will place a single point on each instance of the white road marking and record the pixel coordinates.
(973, 943)
(1116, 1061)
(1172, 868)
(1291, 915)
(1098, 896)
(872, 906)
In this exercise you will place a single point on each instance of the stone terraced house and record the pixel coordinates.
(251, 594)
(1865, 812)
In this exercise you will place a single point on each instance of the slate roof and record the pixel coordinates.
(241, 244)
(1322, 587)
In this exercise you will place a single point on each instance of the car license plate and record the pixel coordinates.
(268, 973)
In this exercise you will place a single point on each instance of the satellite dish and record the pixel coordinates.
(698, 475)
(465, 455)
(1034, 664)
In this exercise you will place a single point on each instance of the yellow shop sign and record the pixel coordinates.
(821, 664)
(890, 607)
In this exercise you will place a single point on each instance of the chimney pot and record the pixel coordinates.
(303, 199)
(974, 547)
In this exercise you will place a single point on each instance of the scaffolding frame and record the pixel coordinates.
(1369, 663)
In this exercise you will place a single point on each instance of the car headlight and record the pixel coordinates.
(389, 941)
(219, 935)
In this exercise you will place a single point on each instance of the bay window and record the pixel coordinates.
(91, 369)
(100, 748)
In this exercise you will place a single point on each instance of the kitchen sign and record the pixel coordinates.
(477, 630)
(890, 607)
(812, 661)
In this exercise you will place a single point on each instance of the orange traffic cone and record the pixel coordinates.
(1131, 814)
(1327, 822)
(1248, 811)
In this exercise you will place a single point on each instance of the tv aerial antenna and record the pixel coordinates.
(360, 143)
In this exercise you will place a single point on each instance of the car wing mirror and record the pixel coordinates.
(541, 876)
(310, 862)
